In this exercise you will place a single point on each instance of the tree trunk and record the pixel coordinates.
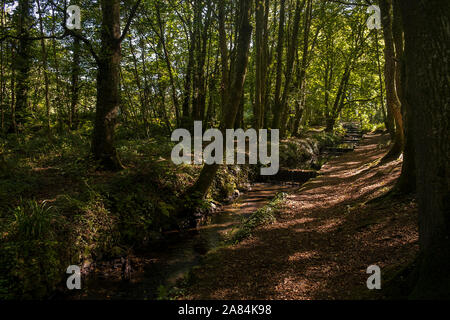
(301, 74)
(225, 83)
(57, 99)
(393, 102)
(260, 71)
(44, 66)
(75, 86)
(427, 51)
(108, 87)
(211, 113)
(285, 109)
(141, 90)
(162, 38)
(201, 27)
(22, 64)
(339, 99)
(146, 89)
(280, 44)
(328, 83)
(387, 117)
(13, 91)
(201, 186)
(187, 119)
(2, 79)
(407, 181)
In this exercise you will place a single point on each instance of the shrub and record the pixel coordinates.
(93, 227)
(32, 255)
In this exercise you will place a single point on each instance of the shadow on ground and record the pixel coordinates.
(324, 239)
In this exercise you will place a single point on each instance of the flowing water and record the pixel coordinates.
(180, 251)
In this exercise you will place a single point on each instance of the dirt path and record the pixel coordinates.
(324, 239)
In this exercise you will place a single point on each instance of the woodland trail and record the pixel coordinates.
(323, 240)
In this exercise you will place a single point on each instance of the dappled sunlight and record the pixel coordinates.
(324, 239)
(298, 256)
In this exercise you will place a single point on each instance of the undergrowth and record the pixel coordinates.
(263, 216)
(57, 209)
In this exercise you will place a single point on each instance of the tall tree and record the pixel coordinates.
(224, 56)
(390, 70)
(44, 63)
(187, 116)
(284, 109)
(238, 75)
(407, 180)
(387, 116)
(262, 8)
(22, 63)
(201, 27)
(358, 41)
(2, 70)
(279, 70)
(427, 52)
(74, 84)
(259, 52)
(301, 68)
(108, 63)
(162, 38)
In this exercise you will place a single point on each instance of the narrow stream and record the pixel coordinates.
(181, 250)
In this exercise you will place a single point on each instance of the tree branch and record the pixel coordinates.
(130, 19)
(351, 3)
(73, 33)
(10, 36)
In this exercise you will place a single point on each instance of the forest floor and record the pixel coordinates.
(325, 237)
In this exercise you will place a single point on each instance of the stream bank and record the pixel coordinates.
(147, 274)
(325, 236)
(155, 271)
